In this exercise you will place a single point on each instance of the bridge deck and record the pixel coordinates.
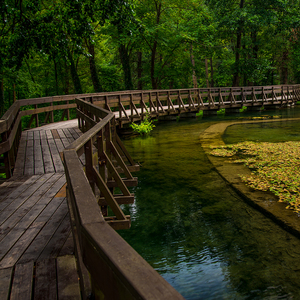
(36, 246)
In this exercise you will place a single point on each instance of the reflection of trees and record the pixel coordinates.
(186, 213)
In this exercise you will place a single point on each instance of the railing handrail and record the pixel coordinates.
(115, 267)
(198, 99)
(102, 250)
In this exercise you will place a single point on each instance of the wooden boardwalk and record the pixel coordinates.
(36, 245)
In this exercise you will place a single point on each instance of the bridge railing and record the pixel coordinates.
(129, 106)
(115, 269)
(133, 105)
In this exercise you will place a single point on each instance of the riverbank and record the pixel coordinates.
(266, 202)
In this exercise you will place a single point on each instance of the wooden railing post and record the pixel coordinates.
(7, 158)
(36, 117)
(88, 151)
(68, 111)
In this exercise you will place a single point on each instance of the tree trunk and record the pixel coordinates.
(236, 75)
(152, 71)
(154, 80)
(211, 73)
(66, 78)
(93, 69)
(74, 74)
(1, 97)
(56, 77)
(284, 67)
(126, 67)
(139, 71)
(206, 73)
(195, 83)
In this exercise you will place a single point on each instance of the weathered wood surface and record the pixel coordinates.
(41, 150)
(116, 270)
(36, 245)
(36, 249)
(129, 106)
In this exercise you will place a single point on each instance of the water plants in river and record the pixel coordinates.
(221, 111)
(244, 108)
(274, 167)
(145, 127)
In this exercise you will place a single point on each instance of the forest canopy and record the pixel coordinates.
(80, 46)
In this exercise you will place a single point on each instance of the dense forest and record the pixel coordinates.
(81, 46)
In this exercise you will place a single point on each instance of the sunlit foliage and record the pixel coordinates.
(274, 166)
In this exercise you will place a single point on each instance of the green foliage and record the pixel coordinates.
(221, 111)
(243, 109)
(274, 168)
(145, 127)
(67, 46)
(199, 113)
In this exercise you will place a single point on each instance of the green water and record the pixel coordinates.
(195, 230)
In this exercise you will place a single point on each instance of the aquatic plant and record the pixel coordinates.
(274, 167)
(199, 113)
(221, 111)
(145, 127)
(243, 109)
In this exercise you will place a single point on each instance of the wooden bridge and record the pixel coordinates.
(57, 237)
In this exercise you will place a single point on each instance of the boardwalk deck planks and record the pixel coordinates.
(36, 243)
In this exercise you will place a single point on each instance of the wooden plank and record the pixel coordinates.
(5, 279)
(45, 280)
(68, 247)
(58, 239)
(47, 158)
(20, 246)
(22, 282)
(36, 216)
(108, 196)
(58, 165)
(29, 161)
(55, 134)
(67, 277)
(15, 190)
(10, 235)
(63, 138)
(38, 157)
(41, 240)
(34, 192)
(120, 270)
(20, 160)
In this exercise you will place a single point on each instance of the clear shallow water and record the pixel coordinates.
(197, 232)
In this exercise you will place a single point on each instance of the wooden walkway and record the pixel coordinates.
(36, 245)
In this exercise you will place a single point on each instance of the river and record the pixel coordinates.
(195, 230)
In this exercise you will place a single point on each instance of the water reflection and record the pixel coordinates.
(199, 234)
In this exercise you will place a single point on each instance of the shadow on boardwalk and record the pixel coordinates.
(36, 245)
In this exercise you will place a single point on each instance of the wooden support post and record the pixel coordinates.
(102, 165)
(68, 111)
(51, 114)
(131, 108)
(36, 117)
(142, 104)
(6, 155)
(120, 112)
(88, 151)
